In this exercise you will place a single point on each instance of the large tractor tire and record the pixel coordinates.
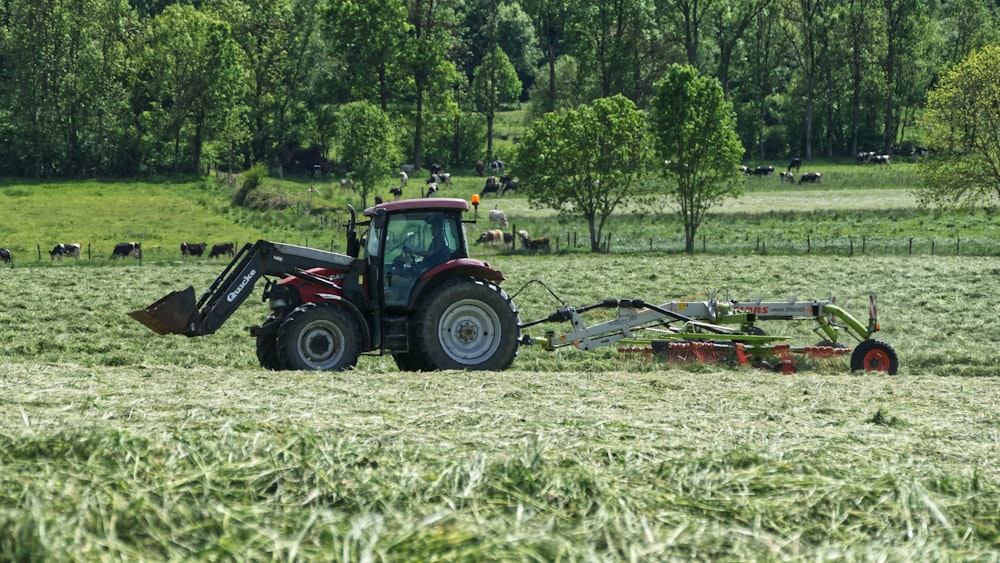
(267, 344)
(467, 324)
(874, 355)
(318, 336)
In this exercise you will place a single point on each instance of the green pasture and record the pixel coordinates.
(856, 210)
(116, 443)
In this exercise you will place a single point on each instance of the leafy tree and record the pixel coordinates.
(569, 87)
(427, 59)
(192, 79)
(494, 82)
(962, 125)
(369, 52)
(695, 136)
(276, 40)
(619, 41)
(585, 162)
(551, 19)
(63, 94)
(367, 146)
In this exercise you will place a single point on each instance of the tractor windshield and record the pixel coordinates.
(414, 243)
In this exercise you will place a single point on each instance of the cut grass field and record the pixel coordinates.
(116, 443)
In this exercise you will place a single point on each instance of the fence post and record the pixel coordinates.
(809, 245)
(932, 247)
(958, 246)
(762, 247)
(703, 243)
(911, 246)
(864, 244)
(852, 246)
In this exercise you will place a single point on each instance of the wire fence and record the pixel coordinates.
(779, 246)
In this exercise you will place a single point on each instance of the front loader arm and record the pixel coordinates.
(177, 312)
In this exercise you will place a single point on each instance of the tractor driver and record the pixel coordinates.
(437, 251)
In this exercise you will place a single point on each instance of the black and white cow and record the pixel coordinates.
(795, 164)
(811, 178)
(127, 250)
(5, 255)
(492, 186)
(193, 249)
(227, 248)
(69, 250)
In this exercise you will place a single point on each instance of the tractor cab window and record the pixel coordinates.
(414, 243)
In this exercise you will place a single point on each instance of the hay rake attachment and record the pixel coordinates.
(728, 331)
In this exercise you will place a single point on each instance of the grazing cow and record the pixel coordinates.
(507, 184)
(745, 170)
(436, 169)
(492, 186)
(811, 178)
(440, 178)
(881, 160)
(497, 166)
(227, 248)
(921, 151)
(480, 168)
(127, 250)
(396, 192)
(499, 217)
(193, 249)
(403, 178)
(787, 177)
(61, 250)
(431, 189)
(378, 200)
(795, 164)
(529, 243)
(494, 235)
(347, 184)
(5, 255)
(865, 157)
(763, 171)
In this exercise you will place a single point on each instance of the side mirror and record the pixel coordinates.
(353, 245)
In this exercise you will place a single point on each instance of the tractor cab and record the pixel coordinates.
(406, 240)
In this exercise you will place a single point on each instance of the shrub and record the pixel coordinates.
(251, 180)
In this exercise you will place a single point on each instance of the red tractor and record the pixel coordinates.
(414, 294)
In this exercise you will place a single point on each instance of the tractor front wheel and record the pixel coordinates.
(874, 355)
(468, 324)
(318, 336)
(267, 345)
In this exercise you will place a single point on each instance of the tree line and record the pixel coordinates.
(128, 87)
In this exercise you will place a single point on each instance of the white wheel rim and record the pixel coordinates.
(469, 331)
(321, 344)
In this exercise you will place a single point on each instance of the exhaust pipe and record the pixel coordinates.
(172, 314)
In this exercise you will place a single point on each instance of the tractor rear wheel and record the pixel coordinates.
(468, 324)
(318, 336)
(874, 355)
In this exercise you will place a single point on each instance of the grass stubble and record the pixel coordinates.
(119, 444)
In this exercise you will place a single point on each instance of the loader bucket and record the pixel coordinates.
(170, 315)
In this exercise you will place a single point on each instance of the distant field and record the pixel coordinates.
(857, 209)
(116, 443)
